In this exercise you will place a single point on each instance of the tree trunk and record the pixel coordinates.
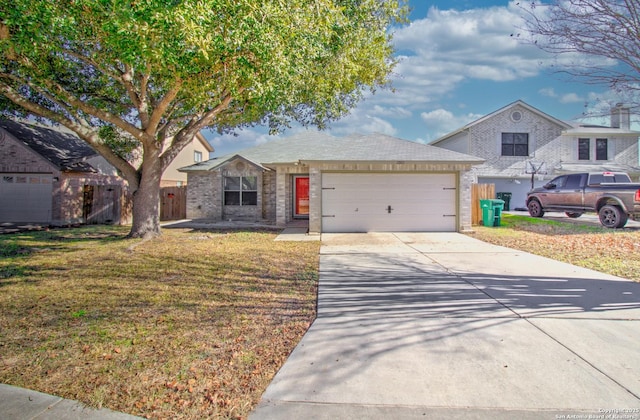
(146, 199)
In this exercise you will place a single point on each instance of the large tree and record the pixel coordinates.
(598, 40)
(156, 72)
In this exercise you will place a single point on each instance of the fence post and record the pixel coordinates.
(480, 192)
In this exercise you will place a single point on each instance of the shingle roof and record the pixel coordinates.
(64, 150)
(319, 146)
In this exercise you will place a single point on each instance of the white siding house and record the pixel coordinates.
(521, 144)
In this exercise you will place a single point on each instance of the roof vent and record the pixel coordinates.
(516, 116)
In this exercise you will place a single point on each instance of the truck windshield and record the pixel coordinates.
(604, 178)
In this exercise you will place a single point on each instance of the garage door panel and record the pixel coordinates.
(25, 198)
(360, 202)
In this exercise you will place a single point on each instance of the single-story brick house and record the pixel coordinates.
(48, 175)
(358, 183)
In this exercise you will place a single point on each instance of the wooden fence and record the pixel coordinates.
(173, 203)
(102, 204)
(480, 192)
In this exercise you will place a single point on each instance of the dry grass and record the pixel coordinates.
(192, 325)
(610, 251)
(195, 324)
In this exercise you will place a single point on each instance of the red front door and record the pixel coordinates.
(301, 196)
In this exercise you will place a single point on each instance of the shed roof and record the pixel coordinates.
(63, 149)
(315, 146)
(591, 130)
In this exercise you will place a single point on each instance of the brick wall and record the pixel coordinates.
(204, 200)
(15, 157)
(68, 197)
(546, 144)
(205, 194)
(269, 195)
(204, 191)
(486, 142)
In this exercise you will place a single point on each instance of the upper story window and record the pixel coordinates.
(515, 144)
(602, 146)
(197, 156)
(584, 149)
(240, 190)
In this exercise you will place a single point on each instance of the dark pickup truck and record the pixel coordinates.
(610, 194)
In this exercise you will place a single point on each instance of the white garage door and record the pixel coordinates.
(25, 198)
(388, 202)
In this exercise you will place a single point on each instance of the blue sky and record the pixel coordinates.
(458, 61)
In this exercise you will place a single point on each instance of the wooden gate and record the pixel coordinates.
(101, 204)
(173, 203)
(480, 192)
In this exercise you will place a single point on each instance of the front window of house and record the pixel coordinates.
(584, 149)
(602, 149)
(240, 190)
(515, 144)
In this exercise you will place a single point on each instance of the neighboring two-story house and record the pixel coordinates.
(524, 147)
(196, 151)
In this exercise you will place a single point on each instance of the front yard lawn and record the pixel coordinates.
(192, 325)
(195, 324)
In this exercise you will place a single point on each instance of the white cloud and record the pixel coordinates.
(477, 43)
(362, 121)
(440, 122)
(392, 112)
(571, 98)
(550, 92)
(241, 139)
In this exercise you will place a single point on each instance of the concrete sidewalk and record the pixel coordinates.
(444, 326)
(23, 404)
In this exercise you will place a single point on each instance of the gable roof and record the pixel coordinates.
(62, 149)
(520, 103)
(204, 142)
(315, 146)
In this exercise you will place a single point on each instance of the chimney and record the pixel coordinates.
(620, 117)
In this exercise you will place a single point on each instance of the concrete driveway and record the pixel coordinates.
(442, 326)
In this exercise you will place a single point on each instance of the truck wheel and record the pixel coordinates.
(612, 217)
(535, 208)
(573, 214)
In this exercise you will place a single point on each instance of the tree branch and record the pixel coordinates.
(97, 112)
(591, 29)
(160, 109)
(84, 131)
(188, 132)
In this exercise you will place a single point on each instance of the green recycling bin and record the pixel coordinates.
(498, 206)
(487, 212)
(491, 212)
(506, 197)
